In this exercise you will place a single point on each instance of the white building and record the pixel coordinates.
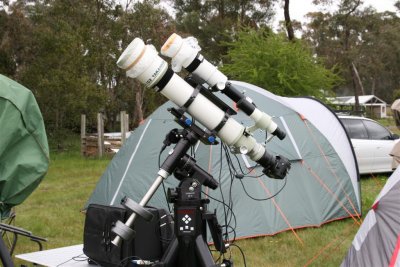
(370, 103)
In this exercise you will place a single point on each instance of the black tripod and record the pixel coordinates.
(5, 256)
(189, 247)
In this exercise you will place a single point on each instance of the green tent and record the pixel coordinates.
(322, 185)
(24, 151)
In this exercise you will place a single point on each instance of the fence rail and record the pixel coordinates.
(100, 143)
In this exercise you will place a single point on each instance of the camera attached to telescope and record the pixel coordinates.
(195, 96)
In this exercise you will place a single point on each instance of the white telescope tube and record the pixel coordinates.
(143, 63)
(185, 53)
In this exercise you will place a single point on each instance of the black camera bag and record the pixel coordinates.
(150, 241)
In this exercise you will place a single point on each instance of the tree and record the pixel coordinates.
(282, 67)
(15, 29)
(66, 54)
(154, 26)
(215, 23)
(57, 73)
(362, 43)
(288, 21)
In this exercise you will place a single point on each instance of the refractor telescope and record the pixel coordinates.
(142, 62)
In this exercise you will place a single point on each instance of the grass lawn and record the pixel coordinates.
(53, 211)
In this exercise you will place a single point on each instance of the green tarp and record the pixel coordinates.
(24, 151)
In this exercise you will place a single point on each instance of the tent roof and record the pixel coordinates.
(396, 105)
(377, 242)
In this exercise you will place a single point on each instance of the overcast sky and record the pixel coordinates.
(298, 8)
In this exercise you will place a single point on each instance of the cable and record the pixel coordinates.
(241, 251)
(80, 258)
(162, 183)
(249, 169)
(230, 164)
(232, 170)
(157, 231)
(76, 258)
(166, 197)
(220, 189)
(223, 203)
(263, 199)
(123, 261)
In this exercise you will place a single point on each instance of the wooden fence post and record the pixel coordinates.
(126, 124)
(83, 134)
(100, 135)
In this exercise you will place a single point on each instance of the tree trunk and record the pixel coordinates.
(221, 9)
(138, 105)
(351, 68)
(373, 86)
(356, 94)
(288, 22)
(357, 78)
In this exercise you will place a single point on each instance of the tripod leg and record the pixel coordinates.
(170, 255)
(5, 254)
(203, 253)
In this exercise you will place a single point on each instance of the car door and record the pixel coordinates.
(363, 147)
(383, 142)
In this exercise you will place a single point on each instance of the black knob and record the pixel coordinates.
(172, 195)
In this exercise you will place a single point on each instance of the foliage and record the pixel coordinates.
(285, 68)
(66, 54)
(360, 37)
(214, 23)
(154, 26)
(396, 94)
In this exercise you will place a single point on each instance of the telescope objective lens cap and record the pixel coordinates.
(172, 46)
(131, 54)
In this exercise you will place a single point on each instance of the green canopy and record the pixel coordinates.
(24, 151)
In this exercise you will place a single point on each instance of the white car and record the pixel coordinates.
(372, 144)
